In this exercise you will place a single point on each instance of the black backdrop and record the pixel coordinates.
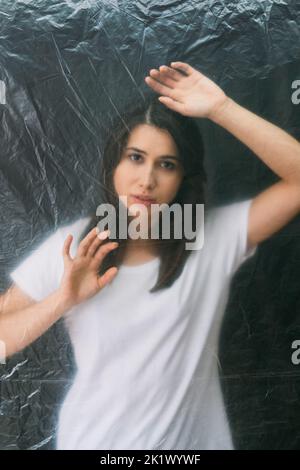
(67, 69)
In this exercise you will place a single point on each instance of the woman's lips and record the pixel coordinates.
(147, 202)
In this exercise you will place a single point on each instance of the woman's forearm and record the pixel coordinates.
(191, 93)
(20, 328)
(275, 147)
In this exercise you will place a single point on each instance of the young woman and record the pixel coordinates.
(146, 344)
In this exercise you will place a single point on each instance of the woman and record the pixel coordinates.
(147, 359)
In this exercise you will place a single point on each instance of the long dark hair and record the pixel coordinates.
(188, 139)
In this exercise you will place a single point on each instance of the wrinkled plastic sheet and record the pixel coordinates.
(67, 68)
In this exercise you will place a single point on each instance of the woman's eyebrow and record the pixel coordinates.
(143, 151)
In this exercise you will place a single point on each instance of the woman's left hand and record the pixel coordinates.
(190, 93)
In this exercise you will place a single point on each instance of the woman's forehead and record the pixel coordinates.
(145, 136)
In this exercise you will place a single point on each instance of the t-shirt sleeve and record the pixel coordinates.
(229, 232)
(39, 273)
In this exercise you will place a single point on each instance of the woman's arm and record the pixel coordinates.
(20, 328)
(191, 93)
(80, 281)
(275, 147)
(14, 298)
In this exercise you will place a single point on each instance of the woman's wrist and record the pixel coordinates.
(219, 113)
(63, 302)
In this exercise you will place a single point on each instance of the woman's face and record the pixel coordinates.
(149, 167)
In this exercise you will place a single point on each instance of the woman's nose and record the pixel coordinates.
(147, 178)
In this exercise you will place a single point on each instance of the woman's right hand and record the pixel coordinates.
(80, 279)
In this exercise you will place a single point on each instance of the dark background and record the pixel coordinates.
(70, 68)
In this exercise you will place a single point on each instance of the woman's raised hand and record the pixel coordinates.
(186, 90)
(80, 279)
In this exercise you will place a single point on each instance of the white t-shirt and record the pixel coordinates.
(147, 364)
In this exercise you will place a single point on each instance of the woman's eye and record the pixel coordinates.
(170, 165)
(134, 155)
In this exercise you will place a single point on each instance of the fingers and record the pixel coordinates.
(174, 105)
(159, 87)
(188, 70)
(66, 248)
(107, 277)
(166, 81)
(183, 66)
(102, 251)
(171, 73)
(163, 81)
(85, 244)
(97, 242)
(164, 76)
